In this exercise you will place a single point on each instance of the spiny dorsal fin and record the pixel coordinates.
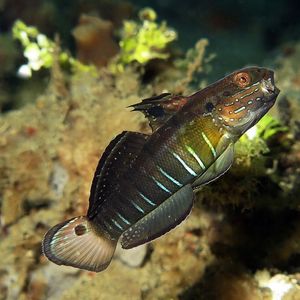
(160, 220)
(118, 155)
(159, 109)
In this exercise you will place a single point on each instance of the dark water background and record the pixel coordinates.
(240, 32)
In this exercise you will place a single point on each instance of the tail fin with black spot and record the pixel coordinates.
(78, 243)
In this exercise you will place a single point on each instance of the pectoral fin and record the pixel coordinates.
(161, 220)
(217, 169)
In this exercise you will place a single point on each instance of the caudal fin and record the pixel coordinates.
(77, 243)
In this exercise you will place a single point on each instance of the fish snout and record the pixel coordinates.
(269, 89)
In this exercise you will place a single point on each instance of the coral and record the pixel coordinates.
(133, 257)
(192, 65)
(143, 41)
(42, 138)
(59, 139)
(92, 34)
(281, 286)
(287, 172)
(288, 81)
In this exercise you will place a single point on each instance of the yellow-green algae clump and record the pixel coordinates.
(39, 51)
(141, 41)
(144, 40)
(253, 144)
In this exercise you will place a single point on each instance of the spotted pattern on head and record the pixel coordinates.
(239, 100)
(236, 108)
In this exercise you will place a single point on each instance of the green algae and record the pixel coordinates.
(268, 127)
(39, 50)
(253, 145)
(143, 40)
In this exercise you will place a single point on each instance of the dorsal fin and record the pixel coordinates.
(159, 109)
(118, 155)
(160, 220)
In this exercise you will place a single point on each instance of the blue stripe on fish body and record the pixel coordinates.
(161, 185)
(208, 142)
(197, 158)
(137, 207)
(123, 219)
(170, 177)
(183, 163)
(147, 199)
(124, 211)
(117, 224)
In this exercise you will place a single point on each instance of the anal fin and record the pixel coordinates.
(160, 220)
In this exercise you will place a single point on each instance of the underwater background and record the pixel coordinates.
(69, 69)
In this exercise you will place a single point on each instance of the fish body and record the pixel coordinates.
(144, 184)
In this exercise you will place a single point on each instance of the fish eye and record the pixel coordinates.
(242, 79)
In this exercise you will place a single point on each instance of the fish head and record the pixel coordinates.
(245, 96)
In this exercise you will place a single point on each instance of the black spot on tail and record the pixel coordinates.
(80, 229)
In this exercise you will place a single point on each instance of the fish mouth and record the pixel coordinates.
(268, 86)
(270, 92)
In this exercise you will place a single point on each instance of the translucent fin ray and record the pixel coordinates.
(77, 243)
